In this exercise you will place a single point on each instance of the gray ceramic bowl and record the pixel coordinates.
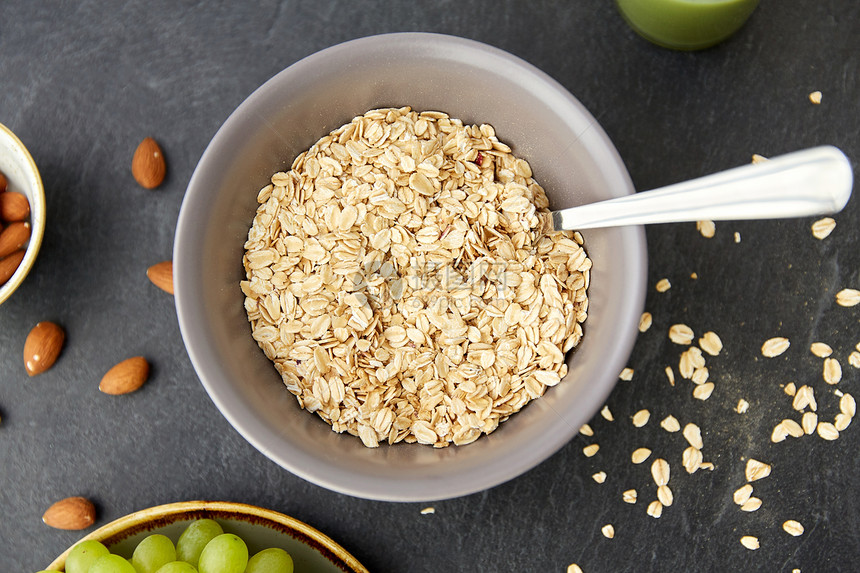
(571, 157)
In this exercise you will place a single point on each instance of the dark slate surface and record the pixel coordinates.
(82, 82)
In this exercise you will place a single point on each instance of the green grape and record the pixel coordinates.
(177, 567)
(226, 553)
(272, 560)
(153, 552)
(111, 564)
(83, 555)
(194, 539)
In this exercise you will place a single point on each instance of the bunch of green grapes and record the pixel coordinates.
(202, 548)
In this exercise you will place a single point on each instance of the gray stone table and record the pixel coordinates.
(81, 83)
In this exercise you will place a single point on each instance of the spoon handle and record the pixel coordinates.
(810, 182)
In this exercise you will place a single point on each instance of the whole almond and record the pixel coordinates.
(125, 377)
(14, 237)
(8, 265)
(3, 182)
(72, 513)
(14, 206)
(42, 347)
(161, 275)
(147, 165)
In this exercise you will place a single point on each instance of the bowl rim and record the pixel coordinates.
(254, 430)
(172, 512)
(37, 220)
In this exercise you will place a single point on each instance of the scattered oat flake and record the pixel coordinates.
(832, 371)
(706, 466)
(428, 510)
(742, 406)
(804, 397)
(793, 527)
(607, 414)
(756, 470)
(790, 389)
(641, 418)
(756, 158)
(842, 421)
(629, 496)
(775, 346)
(742, 494)
(752, 504)
(690, 360)
(737, 237)
(665, 496)
(670, 424)
(693, 434)
(660, 471)
(670, 374)
(815, 97)
(854, 359)
(847, 405)
(599, 477)
(645, 321)
(681, 334)
(655, 509)
(704, 391)
(691, 459)
(711, 343)
(574, 568)
(700, 375)
(793, 428)
(626, 374)
(827, 431)
(822, 228)
(848, 297)
(820, 349)
(586, 430)
(778, 434)
(590, 450)
(663, 285)
(640, 455)
(706, 228)
(809, 422)
(608, 531)
(750, 542)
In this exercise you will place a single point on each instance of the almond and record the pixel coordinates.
(125, 377)
(147, 165)
(161, 275)
(3, 182)
(71, 513)
(14, 206)
(8, 265)
(42, 347)
(14, 237)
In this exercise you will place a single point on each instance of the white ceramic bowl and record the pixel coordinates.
(571, 157)
(20, 170)
(260, 528)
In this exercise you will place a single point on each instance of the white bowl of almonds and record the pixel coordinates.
(364, 281)
(22, 212)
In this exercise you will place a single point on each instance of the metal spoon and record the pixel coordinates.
(814, 181)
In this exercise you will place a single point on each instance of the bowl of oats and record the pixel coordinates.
(365, 281)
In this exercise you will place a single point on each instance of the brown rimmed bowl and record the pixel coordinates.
(261, 528)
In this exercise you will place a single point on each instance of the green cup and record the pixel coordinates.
(686, 24)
